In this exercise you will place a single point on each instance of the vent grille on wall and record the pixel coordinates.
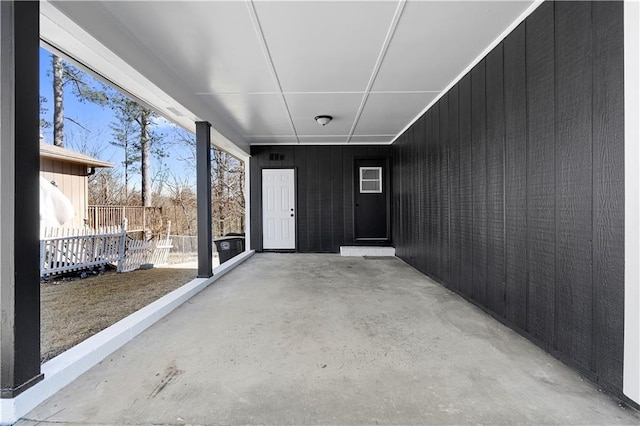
(276, 157)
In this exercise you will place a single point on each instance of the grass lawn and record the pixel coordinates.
(73, 310)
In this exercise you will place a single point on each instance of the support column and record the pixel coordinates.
(203, 181)
(247, 204)
(19, 197)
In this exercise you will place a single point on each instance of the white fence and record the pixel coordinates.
(139, 252)
(68, 250)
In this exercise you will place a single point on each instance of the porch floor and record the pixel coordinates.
(324, 339)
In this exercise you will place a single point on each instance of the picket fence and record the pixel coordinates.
(69, 250)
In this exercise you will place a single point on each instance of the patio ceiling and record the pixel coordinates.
(260, 71)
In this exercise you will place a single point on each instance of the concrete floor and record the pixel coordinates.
(323, 339)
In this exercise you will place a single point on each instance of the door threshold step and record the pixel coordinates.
(367, 251)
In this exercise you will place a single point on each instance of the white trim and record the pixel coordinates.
(378, 180)
(68, 366)
(290, 243)
(247, 203)
(631, 370)
(480, 57)
(353, 251)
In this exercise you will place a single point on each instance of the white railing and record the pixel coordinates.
(77, 251)
(140, 218)
(68, 250)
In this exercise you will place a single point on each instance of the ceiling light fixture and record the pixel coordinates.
(323, 120)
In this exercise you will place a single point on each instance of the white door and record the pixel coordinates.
(278, 209)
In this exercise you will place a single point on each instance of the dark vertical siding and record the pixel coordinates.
(540, 154)
(435, 198)
(574, 182)
(479, 186)
(324, 192)
(515, 192)
(326, 195)
(454, 189)
(337, 203)
(608, 191)
(314, 175)
(422, 192)
(466, 184)
(348, 154)
(510, 188)
(300, 161)
(443, 112)
(495, 182)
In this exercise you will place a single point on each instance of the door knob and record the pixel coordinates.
(291, 214)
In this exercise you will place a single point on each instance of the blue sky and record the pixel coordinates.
(94, 135)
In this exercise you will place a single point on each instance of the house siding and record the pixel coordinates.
(71, 180)
(324, 190)
(510, 189)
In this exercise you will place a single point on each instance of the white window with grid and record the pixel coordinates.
(370, 180)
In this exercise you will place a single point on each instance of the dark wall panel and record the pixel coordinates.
(608, 191)
(326, 197)
(422, 191)
(513, 185)
(495, 182)
(435, 196)
(300, 160)
(454, 189)
(313, 176)
(540, 191)
(515, 192)
(337, 203)
(324, 191)
(479, 177)
(348, 154)
(445, 207)
(466, 187)
(574, 181)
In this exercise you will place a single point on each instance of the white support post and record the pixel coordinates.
(247, 204)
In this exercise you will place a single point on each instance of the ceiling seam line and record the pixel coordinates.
(360, 92)
(376, 69)
(265, 50)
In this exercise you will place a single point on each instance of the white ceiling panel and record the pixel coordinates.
(436, 40)
(319, 46)
(212, 45)
(343, 107)
(323, 139)
(255, 115)
(272, 140)
(386, 113)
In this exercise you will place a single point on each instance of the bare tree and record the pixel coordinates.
(133, 132)
(58, 100)
(63, 74)
(227, 185)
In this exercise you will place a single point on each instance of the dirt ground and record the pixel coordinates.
(73, 310)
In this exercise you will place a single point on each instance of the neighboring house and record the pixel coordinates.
(69, 171)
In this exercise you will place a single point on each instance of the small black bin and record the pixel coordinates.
(229, 246)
